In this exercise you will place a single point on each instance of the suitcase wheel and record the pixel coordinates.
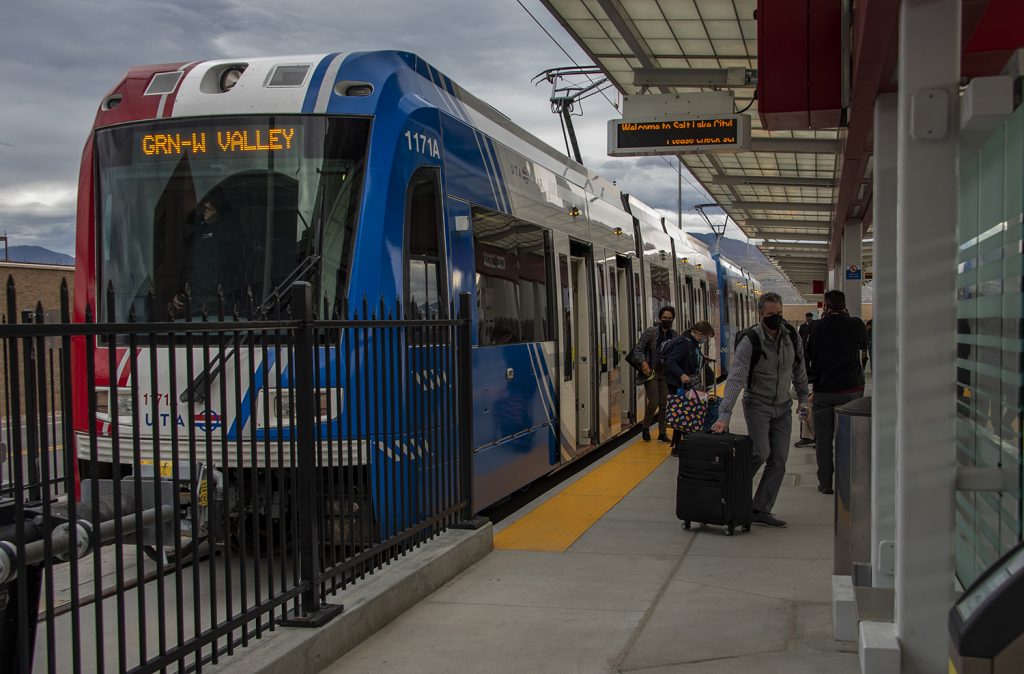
(729, 530)
(686, 524)
(746, 527)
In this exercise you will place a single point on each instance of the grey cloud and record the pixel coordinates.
(56, 232)
(66, 54)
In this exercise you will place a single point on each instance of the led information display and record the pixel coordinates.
(207, 142)
(721, 133)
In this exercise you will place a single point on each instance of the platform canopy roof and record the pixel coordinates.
(784, 189)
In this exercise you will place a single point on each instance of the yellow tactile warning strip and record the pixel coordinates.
(556, 524)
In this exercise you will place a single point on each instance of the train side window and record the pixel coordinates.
(691, 299)
(661, 294)
(533, 282)
(424, 285)
(511, 279)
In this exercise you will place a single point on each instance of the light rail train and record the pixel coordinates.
(373, 175)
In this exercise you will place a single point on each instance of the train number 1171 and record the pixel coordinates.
(423, 144)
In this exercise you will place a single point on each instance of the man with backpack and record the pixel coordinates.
(767, 361)
(642, 357)
(833, 352)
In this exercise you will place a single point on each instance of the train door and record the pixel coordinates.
(626, 274)
(642, 316)
(617, 368)
(602, 362)
(565, 330)
(583, 330)
(425, 274)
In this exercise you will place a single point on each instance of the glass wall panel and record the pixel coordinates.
(989, 346)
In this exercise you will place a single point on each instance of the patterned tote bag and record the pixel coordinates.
(686, 412)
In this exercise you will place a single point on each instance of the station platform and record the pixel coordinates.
(599, 576)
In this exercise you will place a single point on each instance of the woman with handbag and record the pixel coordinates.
(685, 407)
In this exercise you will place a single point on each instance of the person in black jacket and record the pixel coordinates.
(682, 362)
(805, 329)
(833, 354)
(642, 357)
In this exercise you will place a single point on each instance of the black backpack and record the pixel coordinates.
(662, 354)
(758, 352)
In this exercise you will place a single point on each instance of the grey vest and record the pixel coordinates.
(773, 375)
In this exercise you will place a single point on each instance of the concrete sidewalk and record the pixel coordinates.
(637, 593)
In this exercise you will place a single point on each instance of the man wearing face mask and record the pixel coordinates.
(767, 361)
(655, 384)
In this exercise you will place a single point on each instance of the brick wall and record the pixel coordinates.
(34, 283)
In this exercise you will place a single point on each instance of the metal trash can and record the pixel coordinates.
(852, 555)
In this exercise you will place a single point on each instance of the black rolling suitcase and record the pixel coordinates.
(714, 483)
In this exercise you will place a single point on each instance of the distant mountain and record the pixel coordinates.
(753, 260)
(38, 255)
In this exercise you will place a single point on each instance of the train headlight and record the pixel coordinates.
(103, 401)
(229, 78)
(282, 406)
(124, 404)
(359, 90)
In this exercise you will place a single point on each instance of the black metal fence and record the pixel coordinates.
(171, 491)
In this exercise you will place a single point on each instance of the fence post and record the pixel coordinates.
(311, 612)
(464, 345)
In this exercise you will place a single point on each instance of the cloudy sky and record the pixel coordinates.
(59, 57)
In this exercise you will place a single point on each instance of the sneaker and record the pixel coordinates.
(804, 442)
(646, 435)
(768, 520)
(664, 438)
(825, 490)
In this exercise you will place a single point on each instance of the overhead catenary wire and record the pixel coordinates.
(699, 188)
(563, 50)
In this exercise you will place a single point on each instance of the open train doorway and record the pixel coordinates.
(583, 315)
(626, 269)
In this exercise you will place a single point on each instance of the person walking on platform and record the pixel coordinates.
(655, 384)
(682, 359)
(805, 329)
(805, 332)
(867, 349)
(767, 361)
(834, 350)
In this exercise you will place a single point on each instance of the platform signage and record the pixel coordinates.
(853, 273)
(675, 135)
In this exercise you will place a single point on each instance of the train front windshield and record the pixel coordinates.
(194, 209)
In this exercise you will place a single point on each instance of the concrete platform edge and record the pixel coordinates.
(369, 606)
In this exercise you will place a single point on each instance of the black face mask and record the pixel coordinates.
(666, 324)
(773, 322)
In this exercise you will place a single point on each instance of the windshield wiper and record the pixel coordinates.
(196, 390)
